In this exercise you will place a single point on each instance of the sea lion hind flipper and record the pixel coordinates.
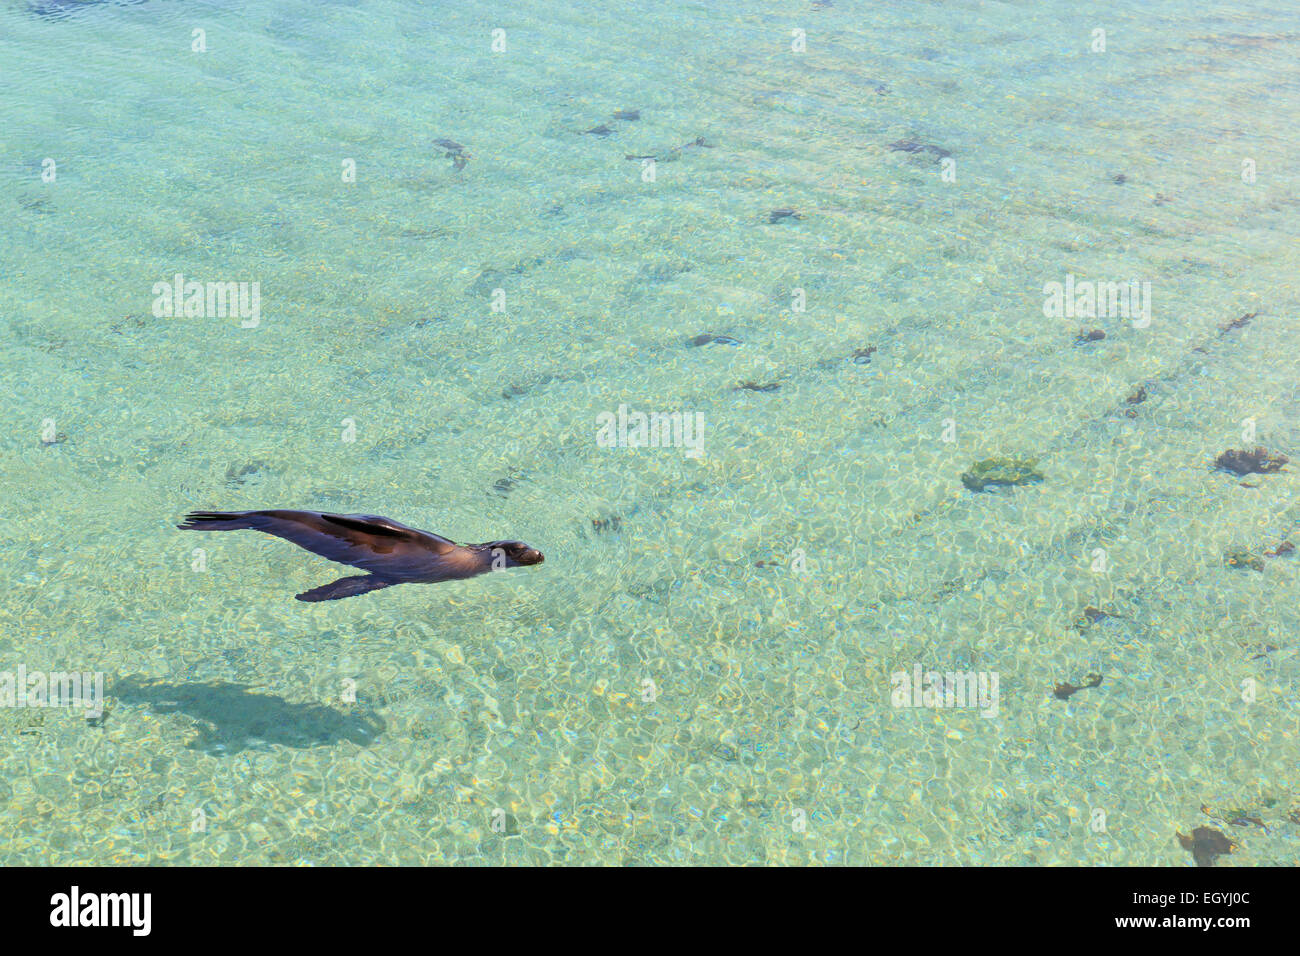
(345, 588)
(218, 521)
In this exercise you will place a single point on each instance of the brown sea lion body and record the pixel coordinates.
(390, 552)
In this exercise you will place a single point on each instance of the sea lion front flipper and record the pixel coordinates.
(345, 588)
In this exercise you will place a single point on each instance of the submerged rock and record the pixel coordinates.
(1001, 471)
(1065, 690)
(1243, 560)
(1205, 844)
(1257, 462)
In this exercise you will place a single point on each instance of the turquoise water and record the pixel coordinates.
(701, 670)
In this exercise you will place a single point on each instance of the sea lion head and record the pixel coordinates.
(517, 553)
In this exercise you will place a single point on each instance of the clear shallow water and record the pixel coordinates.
(524, 694)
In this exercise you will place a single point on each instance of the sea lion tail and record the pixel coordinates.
(219, 520)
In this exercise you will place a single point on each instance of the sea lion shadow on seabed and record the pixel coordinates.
(233, 717)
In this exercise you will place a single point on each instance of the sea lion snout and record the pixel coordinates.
(516, 552)
(525, 555)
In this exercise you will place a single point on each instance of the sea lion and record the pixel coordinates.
(391, 552)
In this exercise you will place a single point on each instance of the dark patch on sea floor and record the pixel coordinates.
(1258, 461)
(1066, 690)
(1001, 471)
(653, 274)
(1206, 844)
(491, 278)
(239, 474)
(519, 389)
(913, 147)
(607, 523)
(859, 356)
(502, 487)
(41, 205)
(671, 154)
(661, 272)
(233, 717)
(1094, 615)
(1238, 323)
(711, 338)
(1242, 559)
(65, 9)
